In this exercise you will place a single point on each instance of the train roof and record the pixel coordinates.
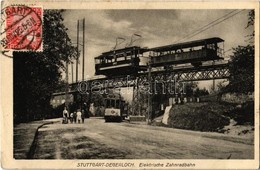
(187, 44)
(122, 50)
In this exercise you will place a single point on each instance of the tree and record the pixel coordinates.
(250, 23)
(242, 65)
(38, 74)
(219, 87)
(201, 92)
(242, 70)
(190, 87)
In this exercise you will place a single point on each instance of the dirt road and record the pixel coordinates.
(99, 140)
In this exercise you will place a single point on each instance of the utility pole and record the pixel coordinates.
(83, 59)
(72, 76)
(213, 79)
(150, 91)
(67, 79)
(77, 60)
(67, 85)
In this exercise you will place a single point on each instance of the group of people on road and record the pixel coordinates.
(74, 117)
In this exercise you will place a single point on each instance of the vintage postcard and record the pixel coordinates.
(129, 85)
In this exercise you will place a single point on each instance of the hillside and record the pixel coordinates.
(213, 117)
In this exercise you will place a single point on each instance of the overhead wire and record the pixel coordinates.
(211, 24)
(203, 27)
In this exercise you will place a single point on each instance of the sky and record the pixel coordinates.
(157, 28)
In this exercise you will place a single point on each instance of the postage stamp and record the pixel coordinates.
(22, 28)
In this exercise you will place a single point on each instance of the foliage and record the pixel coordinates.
(243, 115)
(98, 99)
(38, 74)
(199, 116)
(190, 88)
(242, 64)
(61, 86)
(219, 87)
(201, 92)
(140, 105)
(250, 23)
(242, 70)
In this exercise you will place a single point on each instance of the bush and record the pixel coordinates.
(244, 114)
(199, 116)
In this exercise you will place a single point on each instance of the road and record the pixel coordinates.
(96, 139)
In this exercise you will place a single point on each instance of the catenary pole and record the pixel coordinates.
(83, 58)
(77, 60)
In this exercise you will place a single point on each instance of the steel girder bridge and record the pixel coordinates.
(181, 74)
(137, 82)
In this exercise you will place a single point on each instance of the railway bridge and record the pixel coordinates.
(184, 62)
(181, 74)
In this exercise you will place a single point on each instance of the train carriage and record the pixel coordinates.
(120, 62)
(115, 108)
(194, 52)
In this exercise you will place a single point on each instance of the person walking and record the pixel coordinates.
(83, 116)
(75, 117)
(65, 115)
(71, 117)
(79, 114)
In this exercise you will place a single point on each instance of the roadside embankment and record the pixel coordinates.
(213, 117)
(24, 136)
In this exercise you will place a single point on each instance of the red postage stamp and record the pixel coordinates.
(23, 28)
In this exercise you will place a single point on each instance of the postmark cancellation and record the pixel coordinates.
(21, 28)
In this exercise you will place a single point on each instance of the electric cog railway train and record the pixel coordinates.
(126, 61)
(193, 52)
(120, 62)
